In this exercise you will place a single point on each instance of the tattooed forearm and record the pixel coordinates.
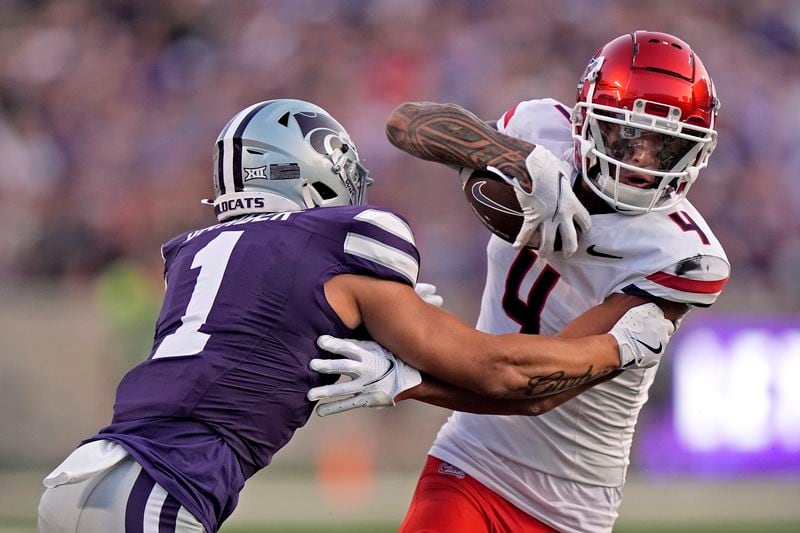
(559, 382)
(449, 134)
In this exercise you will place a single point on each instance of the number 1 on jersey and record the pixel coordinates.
(212, 260)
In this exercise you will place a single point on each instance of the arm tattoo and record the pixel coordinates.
(559, 382)
(449, 134)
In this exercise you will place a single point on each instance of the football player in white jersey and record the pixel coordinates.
(642, 129)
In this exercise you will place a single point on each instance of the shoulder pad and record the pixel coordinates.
(697, 280)
(672, 255)
(379, 238)
(544, 121)
(171, 247)
(371, 241)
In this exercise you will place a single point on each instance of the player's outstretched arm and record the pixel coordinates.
(379, 379)
(437, 392)
(449, 134)
(439, 344)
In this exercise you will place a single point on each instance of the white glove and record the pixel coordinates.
(642, 334)
(427, 292)
(551, 206)
(377, 376)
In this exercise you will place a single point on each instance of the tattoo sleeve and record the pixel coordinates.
(449, 134)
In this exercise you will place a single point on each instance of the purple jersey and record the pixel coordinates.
(224, 387)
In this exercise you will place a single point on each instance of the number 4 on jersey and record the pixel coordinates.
(687, 223)
(212, 260)
(528, 313)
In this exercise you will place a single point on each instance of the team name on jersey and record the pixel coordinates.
(242, 220)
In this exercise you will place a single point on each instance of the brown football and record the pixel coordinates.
(495, 203)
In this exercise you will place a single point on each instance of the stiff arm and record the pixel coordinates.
(439, 344)
(594, 321)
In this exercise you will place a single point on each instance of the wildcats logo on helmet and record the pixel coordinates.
(323, 133)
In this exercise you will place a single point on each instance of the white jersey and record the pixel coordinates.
(567, 467)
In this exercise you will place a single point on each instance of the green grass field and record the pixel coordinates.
(390, 528)
(384, 527)
(291, 502)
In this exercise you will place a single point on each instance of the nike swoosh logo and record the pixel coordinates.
(592, 251)
(656, 350)
(388, 371)
(477, 193)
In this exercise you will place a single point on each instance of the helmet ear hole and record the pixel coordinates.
(323, 190)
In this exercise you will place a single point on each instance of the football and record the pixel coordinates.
(495, 204)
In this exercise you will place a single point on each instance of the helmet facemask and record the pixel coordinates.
(637, 161)
(352, 172)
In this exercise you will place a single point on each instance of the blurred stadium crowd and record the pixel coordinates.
(108, 111)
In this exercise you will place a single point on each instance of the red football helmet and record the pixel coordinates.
(644, 122)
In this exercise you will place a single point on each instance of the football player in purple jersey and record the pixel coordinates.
(296, 256)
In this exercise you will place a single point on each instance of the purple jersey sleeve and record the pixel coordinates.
(224, 386)
(168, 250)
(378, 243)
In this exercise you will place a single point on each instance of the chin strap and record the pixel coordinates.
(586, 150)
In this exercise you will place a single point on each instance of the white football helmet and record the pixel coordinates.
(285, 155)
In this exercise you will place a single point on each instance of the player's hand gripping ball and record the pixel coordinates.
(496, 206)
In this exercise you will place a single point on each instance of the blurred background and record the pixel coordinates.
(108, 112)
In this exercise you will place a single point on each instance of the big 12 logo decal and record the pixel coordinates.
(323, 133)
